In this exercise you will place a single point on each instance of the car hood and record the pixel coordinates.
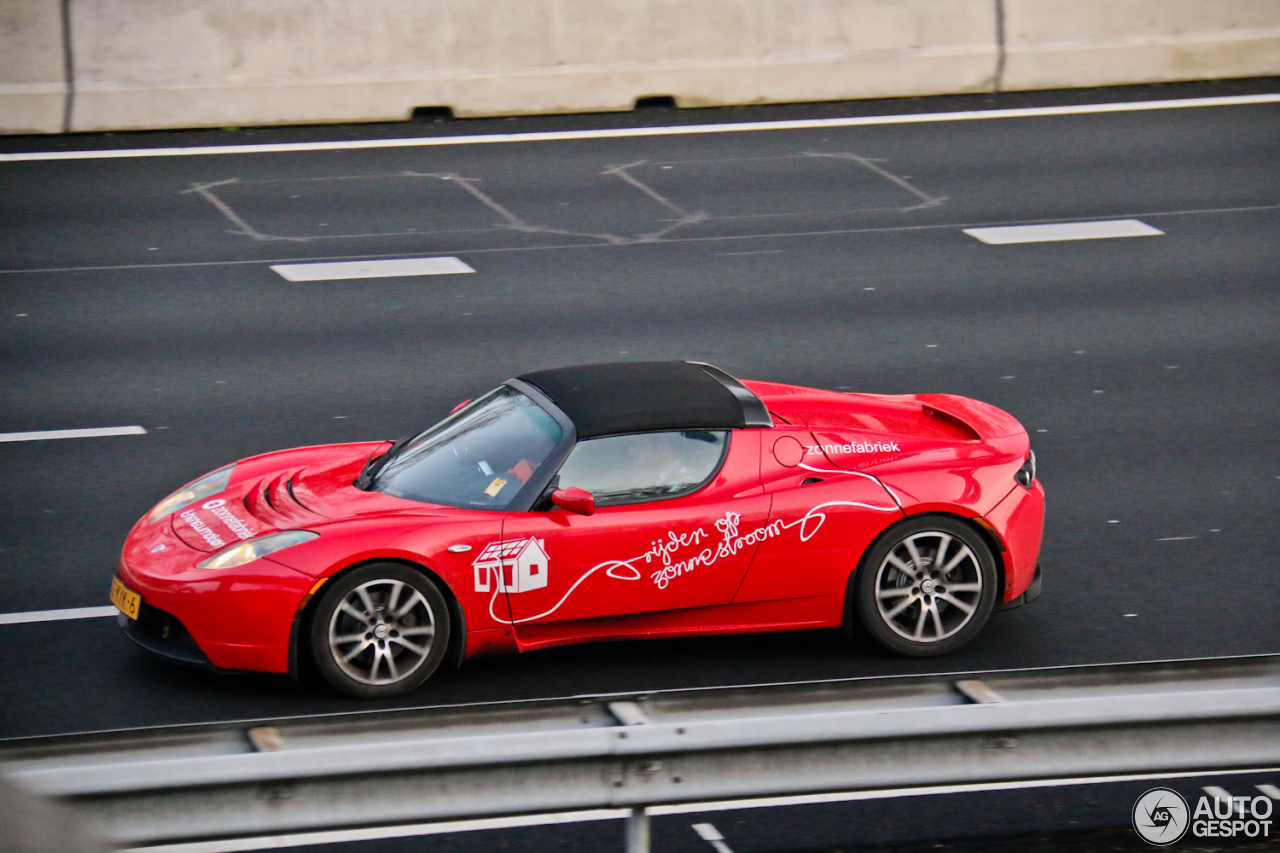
(288, 490)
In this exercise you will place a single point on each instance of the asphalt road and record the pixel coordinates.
(135, 291)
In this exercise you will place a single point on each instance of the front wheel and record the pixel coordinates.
(379, 631)
(926, 588)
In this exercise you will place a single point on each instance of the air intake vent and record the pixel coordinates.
(952, 424)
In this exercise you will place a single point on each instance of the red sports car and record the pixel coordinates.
(598, 502)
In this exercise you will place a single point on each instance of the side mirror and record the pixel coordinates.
(574, 500)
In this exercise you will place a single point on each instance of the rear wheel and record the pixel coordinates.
(927, 587)
(379, 631)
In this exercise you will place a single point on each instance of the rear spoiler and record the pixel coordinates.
(982, 419)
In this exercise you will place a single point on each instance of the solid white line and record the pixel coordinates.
(300, 839)
(1101, 230)
(42, 435)
(56, 615)
(622, 133)
(933, 790)
(337, 836)
(371, 269)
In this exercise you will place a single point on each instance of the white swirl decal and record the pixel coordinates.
(664, 550)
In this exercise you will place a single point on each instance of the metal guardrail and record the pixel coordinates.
(226, 781)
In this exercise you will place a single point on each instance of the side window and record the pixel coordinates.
(624, 469)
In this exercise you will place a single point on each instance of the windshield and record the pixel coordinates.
(480, 457)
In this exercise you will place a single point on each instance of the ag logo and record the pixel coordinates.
(1160, 817)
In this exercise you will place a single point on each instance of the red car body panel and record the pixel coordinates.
(769, 543)
(1019, 519)
(832, 514)
(671, 555)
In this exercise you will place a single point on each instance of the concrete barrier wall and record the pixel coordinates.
(199, 63)
(33, 88)
(1053, 44)
(175, 63)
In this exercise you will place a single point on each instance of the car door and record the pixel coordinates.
(825, 517)
(672, 530)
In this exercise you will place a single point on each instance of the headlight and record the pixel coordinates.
(209, 484)
(247, 552)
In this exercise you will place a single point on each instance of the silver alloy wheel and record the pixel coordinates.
(927, 588)
(381, 632)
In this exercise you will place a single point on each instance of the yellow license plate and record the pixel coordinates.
(124, 598)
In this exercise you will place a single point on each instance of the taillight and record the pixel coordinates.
(1027, 473)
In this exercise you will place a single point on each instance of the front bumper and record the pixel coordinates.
(236, 619)
(162, 634)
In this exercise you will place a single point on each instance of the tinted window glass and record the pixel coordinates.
(480, 457)
(646, 466)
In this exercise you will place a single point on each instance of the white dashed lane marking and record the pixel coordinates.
(44, 435)
(707, 832)
(1218, 793)
(56, 615)
(371, 269)
(1103, 230)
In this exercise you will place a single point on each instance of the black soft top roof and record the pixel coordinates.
(636, 396)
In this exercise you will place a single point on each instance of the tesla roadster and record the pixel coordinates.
(597, 502)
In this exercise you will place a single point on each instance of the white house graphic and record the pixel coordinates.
(519, 566)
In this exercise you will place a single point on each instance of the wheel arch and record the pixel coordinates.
(455, 652)
(983, 531)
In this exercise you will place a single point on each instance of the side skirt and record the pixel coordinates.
(757, 616)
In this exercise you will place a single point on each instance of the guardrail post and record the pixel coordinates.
(638, 831)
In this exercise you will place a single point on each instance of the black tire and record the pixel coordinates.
(907, 604)
(388, 640)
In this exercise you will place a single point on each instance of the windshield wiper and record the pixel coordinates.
(372, 466)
